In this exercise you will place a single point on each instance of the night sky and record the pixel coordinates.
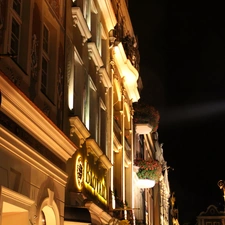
(182, 50)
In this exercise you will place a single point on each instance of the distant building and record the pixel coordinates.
(212, 216)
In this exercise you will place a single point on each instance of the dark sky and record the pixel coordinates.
(182, 50)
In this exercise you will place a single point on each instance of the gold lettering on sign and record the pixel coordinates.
(95, 183)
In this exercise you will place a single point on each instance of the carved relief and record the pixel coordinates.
(59, 88)
(34, 57)
(14, 78)
(69, 62)
(34, 67)
(55, 6)
(46, 110)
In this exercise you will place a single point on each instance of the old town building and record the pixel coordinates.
(69, 76)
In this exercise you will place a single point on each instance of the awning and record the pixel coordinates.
(77, 214)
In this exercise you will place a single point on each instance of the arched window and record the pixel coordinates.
(49, 213)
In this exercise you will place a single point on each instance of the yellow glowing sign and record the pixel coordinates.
(95, 184)
(79, 172)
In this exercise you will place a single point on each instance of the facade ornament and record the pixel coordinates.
(59, 88)
(34, 57)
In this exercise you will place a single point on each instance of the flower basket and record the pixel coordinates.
(144, 113)
(148, 169)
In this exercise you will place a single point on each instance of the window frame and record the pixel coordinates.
(17, 17)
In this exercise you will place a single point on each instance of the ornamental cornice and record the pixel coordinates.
(24, 112)
(80, 22)
(78, 128)
(108, 14)
(94, 149)
(94, 55)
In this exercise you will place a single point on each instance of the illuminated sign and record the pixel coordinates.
(94, 183)
(79, 172)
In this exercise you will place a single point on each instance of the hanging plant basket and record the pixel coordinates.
(148, 169)
(146, 114)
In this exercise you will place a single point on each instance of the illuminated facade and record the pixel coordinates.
(34, 149)
(69, 75)
(152, 201)
(174, 213)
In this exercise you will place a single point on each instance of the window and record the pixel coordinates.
(96, 27)
(19, 12)
(91, 110)
(44, 75)
(216, 223)
(49, 213)
(17, 6)
(48, 69)
(94, 106)
(102, 126)
(79, 80)
(45, 40)
(86, 12)
(15, 27)
(15, 37)
(104, 46)
(45, 61)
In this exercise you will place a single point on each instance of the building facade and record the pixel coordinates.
(212, 216)
(69, 76)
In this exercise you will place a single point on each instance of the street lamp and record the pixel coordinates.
(221, 184)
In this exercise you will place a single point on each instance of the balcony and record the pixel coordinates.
(144, 128)
(147, 172)
(146, 118)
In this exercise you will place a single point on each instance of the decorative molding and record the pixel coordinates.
(94, 55)
(94, 149)
(80, 22)
(10, 143)
(7, 195)
(104, 78)
(116, 144)
(96, 210)
(127, 161)
(77, 127)
(34, 57)
(127, 71)
(21, 110)
(108, 14)
(14, 128)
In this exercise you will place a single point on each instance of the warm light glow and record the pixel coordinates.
(145, 183)
(144, 128)
(127, 71)
(71, 89)
(79, 172)
(49, 215)
(93, 185)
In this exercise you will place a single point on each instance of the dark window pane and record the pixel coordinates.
(17, 6)
(44, 75)
(45, 39)
(15, 37)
